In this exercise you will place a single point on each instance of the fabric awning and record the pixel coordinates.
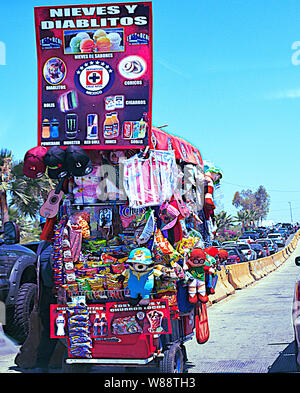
(184, 150)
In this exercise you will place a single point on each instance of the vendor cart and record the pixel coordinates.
(96, 317)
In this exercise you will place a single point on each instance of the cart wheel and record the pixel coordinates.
(173, 360)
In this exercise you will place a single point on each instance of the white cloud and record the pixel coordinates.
(284, 94)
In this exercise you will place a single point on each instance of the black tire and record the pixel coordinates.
(173, 360)
(23, 307)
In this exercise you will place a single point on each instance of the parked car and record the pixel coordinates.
(284, 232)
(234, 255)
(278, 239)
(244, 239)
(265, 246)
(254, 235)
(17, 282)
(296, 316)
(228, 243)
(249, 253)
(260, 251)
(272, 246)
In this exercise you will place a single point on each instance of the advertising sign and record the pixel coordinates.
(95, 75)
(116, 319)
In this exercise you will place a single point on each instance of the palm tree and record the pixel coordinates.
(243, 218)
(223, 220)
(24, 194)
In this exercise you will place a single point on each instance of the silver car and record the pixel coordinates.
(277, 238)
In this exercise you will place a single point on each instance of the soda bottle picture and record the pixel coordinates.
(103, 325)
(100, 327)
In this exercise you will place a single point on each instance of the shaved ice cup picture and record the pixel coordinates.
(94, 41)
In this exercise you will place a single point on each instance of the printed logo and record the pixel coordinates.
(54, 71)
(94, 77)
(132, 67)
(50, 43)
(138, 39)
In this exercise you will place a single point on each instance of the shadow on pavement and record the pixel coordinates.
(286, 361)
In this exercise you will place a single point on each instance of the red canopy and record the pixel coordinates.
(161, 140)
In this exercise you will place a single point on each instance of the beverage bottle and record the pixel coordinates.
(54, 128)
(96, 326)
(60, 323)
(46, 128)
(103, 325)
(108, 126)
(116, 125)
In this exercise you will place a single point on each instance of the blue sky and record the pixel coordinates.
(223, 79)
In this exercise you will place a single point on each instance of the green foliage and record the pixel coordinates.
(254, 206)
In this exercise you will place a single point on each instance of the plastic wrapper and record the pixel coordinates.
(117, 268)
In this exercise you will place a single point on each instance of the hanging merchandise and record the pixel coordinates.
(151, 181)
(147, 230)
(34, 166)
(213, 176)
(85, 188)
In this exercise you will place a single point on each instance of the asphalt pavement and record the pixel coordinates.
(251, 331)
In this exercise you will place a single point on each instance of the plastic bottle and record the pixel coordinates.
(116, 125)
(103, 325)
(108, 127)
(60, 323)
(96, 326)
(54, 128)
(46, 128)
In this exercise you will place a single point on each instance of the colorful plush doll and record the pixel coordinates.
(211, 278)
(196, 266)
(140, 274)
(212, 177)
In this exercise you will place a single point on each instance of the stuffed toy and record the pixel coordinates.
(196, 266)
(140, 275)
(211, 278)
(212, 177)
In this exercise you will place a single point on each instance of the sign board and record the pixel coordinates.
(95, 75)
(121, 319)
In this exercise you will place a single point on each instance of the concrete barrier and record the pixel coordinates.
(220, 291)
(223, 275)
(255, 270)
(239, 275)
